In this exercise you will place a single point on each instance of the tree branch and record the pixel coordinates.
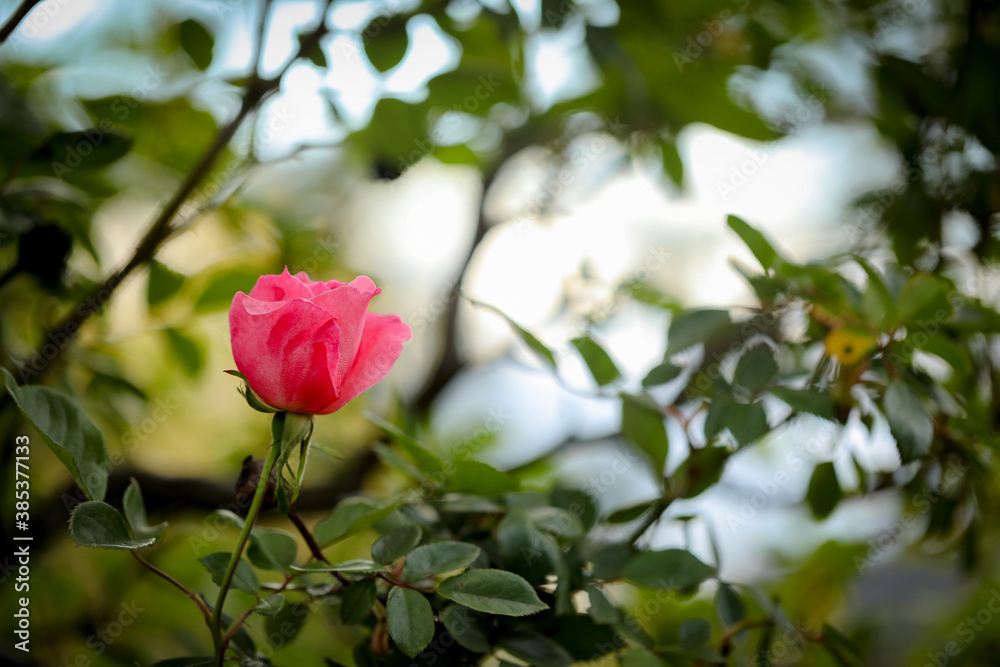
(161, 228)
(15, 19)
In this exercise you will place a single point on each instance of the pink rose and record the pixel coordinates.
(311, 346)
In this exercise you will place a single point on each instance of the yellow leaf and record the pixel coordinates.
(850, 344)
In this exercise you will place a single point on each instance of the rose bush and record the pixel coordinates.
(311, 346)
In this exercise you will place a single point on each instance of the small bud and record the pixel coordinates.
(246, 483)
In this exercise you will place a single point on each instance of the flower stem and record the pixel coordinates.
(234, 559)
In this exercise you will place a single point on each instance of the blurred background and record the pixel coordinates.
(568, 162)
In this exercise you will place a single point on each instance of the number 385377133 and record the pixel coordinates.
(21, 451)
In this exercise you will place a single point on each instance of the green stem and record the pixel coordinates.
(234, 559)
(656, 511)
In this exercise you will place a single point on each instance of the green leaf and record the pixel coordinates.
(535, 649)
(661, 374)
(469, 628)
(578, 503)
(601, 608)
(270, 605)
(463, 503)
(163, 284)
(285, 625)
(135, 514)
(824, 491)
(924, 300)
(481, 479)
(529, 339)
(909, 422)
(756, 242)
(185, 662)
(702, 468)
(847, 652)
(643, 425)
(585, 639)
(492, 592)
(813, 401)
(357, 602)
(526, 550)
(673, 166)
(429, 463)
(746, 421)
(756, 368)
(390, 457)
(222, 285)
(396, 543)
(695, 326)
(353, 566)
(729, 605)
(669, 569)
(609, 559)
(695, 632)
(556, 521)
(244, 578)
(68, 431)
(438, 558)
(348, 518)
(315, 55)
(410, 619)
(188, 352)
(878, 303)
(385, 42)
(197, 42)
(602, 368)
(97, 147)
(96, 524)
(640, 657)
(272, 549)
(951, 352)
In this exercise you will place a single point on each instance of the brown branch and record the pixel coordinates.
(451, 363)
(183, 589)
(15, 19)
(161, 228)
(307, 535)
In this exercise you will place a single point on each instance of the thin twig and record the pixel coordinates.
(184, 589)
(314, 548)
(726, 640)
(403, 584)
(238, 623)
(656, 511)
(15, 19)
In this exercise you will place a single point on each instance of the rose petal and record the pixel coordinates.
(281, 287)
(381, 344)
(286, 350)
(348, 302)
